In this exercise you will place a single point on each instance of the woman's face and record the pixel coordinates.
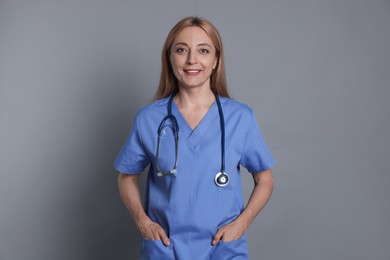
(193, 58)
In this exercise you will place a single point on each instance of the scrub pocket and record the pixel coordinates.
(155, 249)
(234, 250)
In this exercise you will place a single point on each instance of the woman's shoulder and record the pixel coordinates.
(235, 106)
(152, 108)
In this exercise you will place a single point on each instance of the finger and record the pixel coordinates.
(164, 238)
(217, 236)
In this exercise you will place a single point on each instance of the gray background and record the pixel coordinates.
(73, 74)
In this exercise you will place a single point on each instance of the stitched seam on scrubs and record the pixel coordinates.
(246, 137)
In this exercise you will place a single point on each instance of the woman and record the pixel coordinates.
(194, 138)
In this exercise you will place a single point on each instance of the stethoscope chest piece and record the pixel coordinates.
(221, 179)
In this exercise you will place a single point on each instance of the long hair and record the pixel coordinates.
(168, 82)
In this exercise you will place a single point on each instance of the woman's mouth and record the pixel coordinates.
(192, 72)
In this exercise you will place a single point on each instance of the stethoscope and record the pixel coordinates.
(221, 179)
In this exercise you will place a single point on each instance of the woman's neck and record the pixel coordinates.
(194, 97)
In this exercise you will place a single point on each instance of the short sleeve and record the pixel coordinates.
(255, 155)
(132, 158)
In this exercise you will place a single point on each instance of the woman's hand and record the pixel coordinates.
(230, 232)
(152, 231)
(263, 186)
(129, 191)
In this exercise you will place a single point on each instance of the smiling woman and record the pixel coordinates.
(194, 207)
(193, 58)
(168, 81)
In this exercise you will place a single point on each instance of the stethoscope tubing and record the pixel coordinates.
(221, 178)
(222, 123)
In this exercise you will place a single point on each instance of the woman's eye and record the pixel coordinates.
(180, 50)
(204, 51)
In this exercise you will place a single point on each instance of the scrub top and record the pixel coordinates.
(188, 205)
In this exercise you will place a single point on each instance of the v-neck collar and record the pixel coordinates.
(195, 135)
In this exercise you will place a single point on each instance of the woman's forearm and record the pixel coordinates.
(264, 183)
(130, 195)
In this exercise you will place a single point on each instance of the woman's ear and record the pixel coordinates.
(215, 63)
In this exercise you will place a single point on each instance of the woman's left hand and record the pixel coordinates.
(264, 183)
(231, 231)
(261, 193)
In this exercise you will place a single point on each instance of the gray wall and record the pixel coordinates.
(73, 74)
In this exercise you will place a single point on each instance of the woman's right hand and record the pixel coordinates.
(129, 191)
(153, 231)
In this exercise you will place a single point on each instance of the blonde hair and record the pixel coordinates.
(168, 82)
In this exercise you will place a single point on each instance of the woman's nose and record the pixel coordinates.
(191, 57)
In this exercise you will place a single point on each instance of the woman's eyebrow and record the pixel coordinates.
(200, 44)
(204, 44)
(181, 43)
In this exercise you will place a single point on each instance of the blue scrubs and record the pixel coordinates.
(189, 206)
